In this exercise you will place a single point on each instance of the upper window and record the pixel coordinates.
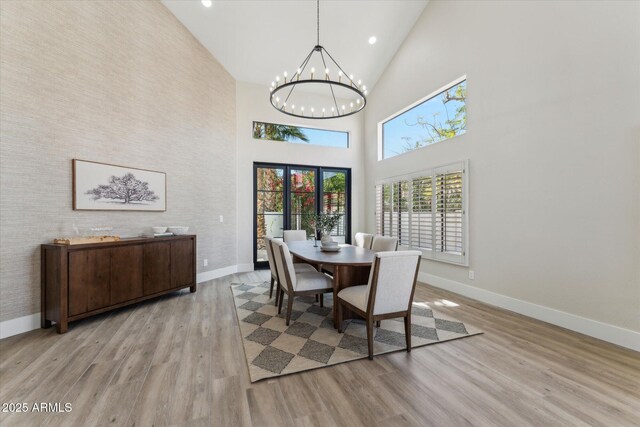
(439, 116)
(300, 135)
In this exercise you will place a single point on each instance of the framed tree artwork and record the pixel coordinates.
(105, 187)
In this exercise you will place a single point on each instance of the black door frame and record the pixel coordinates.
(287, 198)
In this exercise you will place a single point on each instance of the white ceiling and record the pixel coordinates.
(257, 40)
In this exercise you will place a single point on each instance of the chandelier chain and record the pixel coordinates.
(318, 21)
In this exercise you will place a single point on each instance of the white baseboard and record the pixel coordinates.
(243, 268)
(19, 325)
(214, 274)
(593, 328)
(30, 322)
(221, 272)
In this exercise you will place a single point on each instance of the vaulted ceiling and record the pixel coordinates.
(257, 40)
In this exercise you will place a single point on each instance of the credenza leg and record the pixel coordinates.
(61, 327)
(193, 288)
(44, 323)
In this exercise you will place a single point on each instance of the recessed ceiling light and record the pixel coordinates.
(207, 3)
(372, 40)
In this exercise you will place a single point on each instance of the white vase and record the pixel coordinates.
(326, 239)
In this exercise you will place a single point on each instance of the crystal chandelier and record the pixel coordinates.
(344, 96)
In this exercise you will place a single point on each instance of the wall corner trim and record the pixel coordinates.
(603, 331)
(31, 322)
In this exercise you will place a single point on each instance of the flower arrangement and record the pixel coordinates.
(325, 223)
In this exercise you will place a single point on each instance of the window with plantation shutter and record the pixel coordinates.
(427, 211)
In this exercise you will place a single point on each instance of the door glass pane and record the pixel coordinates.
(303, 199)
(269, 206)
(334, 200)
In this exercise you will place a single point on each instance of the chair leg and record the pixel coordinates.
(370, 337)
(377, 323)
(407, 330)
(321, 300)
(277, 293)
(316, 297)
(281, 298)
(289, 307)
(271, 288)
(339, 312)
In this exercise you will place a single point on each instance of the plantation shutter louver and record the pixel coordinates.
(378, 212)
(421, 213)
(400, 209)
(448, 214)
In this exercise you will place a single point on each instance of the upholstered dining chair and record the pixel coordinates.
(298, 267)
(294, 235)
(384, 243)
(363, 240)
(296, 283)
(388, 295)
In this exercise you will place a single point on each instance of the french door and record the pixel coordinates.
(287, 196)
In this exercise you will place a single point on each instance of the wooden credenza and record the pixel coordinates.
(79, 281)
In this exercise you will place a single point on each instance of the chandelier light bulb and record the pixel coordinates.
(284, 74)
(278, 79)
(357, 101)
(364, 87)
(351, 76)
(311, 110)
(359, 81)
(207, 3)
(293, 106)
(365, 93)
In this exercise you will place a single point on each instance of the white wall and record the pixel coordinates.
(253, 104)
(553, 144)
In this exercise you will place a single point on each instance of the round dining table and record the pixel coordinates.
(350, 266)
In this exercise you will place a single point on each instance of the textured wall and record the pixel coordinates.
(117, 82)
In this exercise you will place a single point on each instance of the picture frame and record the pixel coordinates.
(107, 187)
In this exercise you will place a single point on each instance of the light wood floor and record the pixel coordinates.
(179, 361)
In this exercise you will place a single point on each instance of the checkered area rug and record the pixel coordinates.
(310, 341)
